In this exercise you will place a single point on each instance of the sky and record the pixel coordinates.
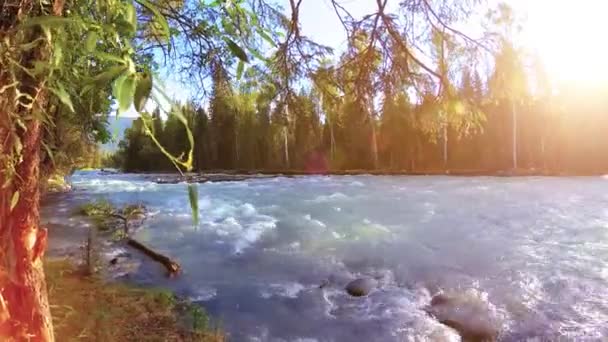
(568, 36)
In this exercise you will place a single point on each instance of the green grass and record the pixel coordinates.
(87, 309)
(96, 208)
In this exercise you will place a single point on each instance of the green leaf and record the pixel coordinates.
(193, 197)
(86, 88)
(14, 200)
(91, 41)
(254, 18)
(130, 16)
(266, 37)
(63, 96)
(17, 145)
(49, 152)
(258, 55)
(110, 74)
(124, 91)
(237, 51)
(47, 21)
(161, 18)
(31, 45)
(239, 70)
(109, 57)
(142, 91)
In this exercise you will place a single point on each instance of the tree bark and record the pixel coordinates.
(374, 145)
(286, 147)
(24, 308)
(445, 146)
(332, 143)
(514, 113)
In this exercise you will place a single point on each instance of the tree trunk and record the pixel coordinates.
(445, 147)
(24, 308)
(514, 113)
(286, 147)
(374, 146)
(332, 143)
(236, 148)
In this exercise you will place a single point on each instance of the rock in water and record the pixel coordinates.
(468, 314)
(361, 287)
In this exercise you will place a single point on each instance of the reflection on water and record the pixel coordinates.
(535, 250)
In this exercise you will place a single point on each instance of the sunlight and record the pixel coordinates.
(569, 38)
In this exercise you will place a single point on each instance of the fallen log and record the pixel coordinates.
(173, 268)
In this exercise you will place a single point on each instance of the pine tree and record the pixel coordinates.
(223, 121)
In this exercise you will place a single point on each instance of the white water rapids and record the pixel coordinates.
(535, 249)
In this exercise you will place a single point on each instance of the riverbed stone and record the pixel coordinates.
(361, 287)
(470, 316)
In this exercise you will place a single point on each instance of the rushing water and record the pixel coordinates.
(535, 249)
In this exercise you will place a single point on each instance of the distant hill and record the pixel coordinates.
(117, 127)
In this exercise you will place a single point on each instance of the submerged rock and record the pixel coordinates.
(468, 314)
(361, 287)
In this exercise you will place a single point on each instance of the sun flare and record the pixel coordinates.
(570, 38)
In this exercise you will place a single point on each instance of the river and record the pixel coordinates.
(533, 249)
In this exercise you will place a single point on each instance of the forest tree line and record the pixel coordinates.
(477, 128)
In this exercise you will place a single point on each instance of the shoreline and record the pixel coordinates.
(215, 175)
(242, 175)
(111, 275)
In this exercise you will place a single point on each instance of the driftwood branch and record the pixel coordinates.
(173, 268)
(124, 219)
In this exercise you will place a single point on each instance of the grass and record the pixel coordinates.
(102, 213)
(96, 208)
(89, 309)
(56, 183)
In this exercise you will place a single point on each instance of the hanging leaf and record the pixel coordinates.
(109, 75)
(31, 45)
(142, 91)
(258, 55)
(266, 37)
(193, 196)
(130, 16)
(14, 200)
(91, 41)
(160, 18)
(49, 153)
(239, 70)
(47, 21)
(63, 96)
(237, 51)
(17, 145)
(109, 57)
(124, 90)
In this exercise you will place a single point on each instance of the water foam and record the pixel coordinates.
(288, 290)
(336, 196)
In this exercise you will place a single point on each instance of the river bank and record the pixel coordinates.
(88, 308)
(242, 175)
(90, 292)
